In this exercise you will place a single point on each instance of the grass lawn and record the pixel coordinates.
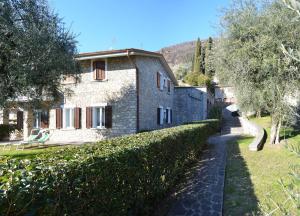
(252, 178)
(28, 152)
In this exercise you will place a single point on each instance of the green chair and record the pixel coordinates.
(34, 135)
(44, 138)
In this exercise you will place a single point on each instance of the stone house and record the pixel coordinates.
(119, 92)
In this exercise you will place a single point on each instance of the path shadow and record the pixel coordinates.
(239, 196)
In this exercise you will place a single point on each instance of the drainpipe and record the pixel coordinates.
(137, 93)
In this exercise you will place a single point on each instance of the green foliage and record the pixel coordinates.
(202, 60)
(215, 112)
(209, 60)
(197, 57)
(5, 130)
(35, 50)
(249, 57)
(121, 176)
(182, 71)
(198, 79)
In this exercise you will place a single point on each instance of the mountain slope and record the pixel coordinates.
(179, 54)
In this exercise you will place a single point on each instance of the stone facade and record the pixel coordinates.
(190, 104)
(130, 88)
(150, 96)
(117, 90)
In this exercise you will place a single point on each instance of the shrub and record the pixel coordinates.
(5, 130)
(215, 112)
(121, 176)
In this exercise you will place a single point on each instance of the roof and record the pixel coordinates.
(128, 52)
(109, 52)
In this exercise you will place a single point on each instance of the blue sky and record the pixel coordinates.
(144, 24)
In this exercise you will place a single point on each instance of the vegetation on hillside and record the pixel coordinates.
(202, 61)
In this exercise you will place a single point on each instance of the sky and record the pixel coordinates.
(143, 24)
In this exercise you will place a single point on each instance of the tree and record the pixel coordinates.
(209, 63)
(249, 56)
(182, 71)
(202, 60)
(197, 57)
(36, 50)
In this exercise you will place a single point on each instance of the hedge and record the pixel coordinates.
(121, 176)
(5, 130)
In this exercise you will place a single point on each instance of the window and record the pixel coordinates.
(98, 117)
(158, 77)
(99, 70)
(160, 81)
(37, 119)
(160, 116)
(40, 119)
(169, 86)
(165, 82)
(68, 118)
(169, 116)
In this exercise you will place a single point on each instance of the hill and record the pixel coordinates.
(179, 54)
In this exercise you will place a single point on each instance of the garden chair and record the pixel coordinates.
(34, 135)
(44, 138)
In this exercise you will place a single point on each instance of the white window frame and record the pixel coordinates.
(71, 117)
(161, 115)
(92, 76)
(162, 78)
(168, 115)
(165, 82)
(37, 120)
(101, 116)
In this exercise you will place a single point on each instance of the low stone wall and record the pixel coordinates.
(254, 130)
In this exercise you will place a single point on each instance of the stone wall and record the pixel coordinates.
(150, 96)
(190, 104)
(255, 130)
(119, 90)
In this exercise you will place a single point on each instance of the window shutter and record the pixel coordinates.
(158, 79)
(45, 119)
(20, 120)
(169, 86)
(77, 124)
(89, 117)
(108, 116)
(59, 116)
(99, 70)
(158, 116)
(94, 71)
(171, 116)
(167, 116)
(102, 74)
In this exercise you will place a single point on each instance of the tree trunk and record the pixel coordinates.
(258, 114)
(277, 140)
(275, 131)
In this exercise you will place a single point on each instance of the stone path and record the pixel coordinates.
(203, 194)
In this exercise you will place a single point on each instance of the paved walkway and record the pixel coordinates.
(203, 194)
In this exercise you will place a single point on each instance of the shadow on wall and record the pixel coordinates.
(122, 95)
(239, 196)
(123, 102)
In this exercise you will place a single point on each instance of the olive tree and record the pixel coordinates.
(35, 51)
(249, 56)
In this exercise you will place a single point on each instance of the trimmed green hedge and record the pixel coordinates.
(121, 176)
